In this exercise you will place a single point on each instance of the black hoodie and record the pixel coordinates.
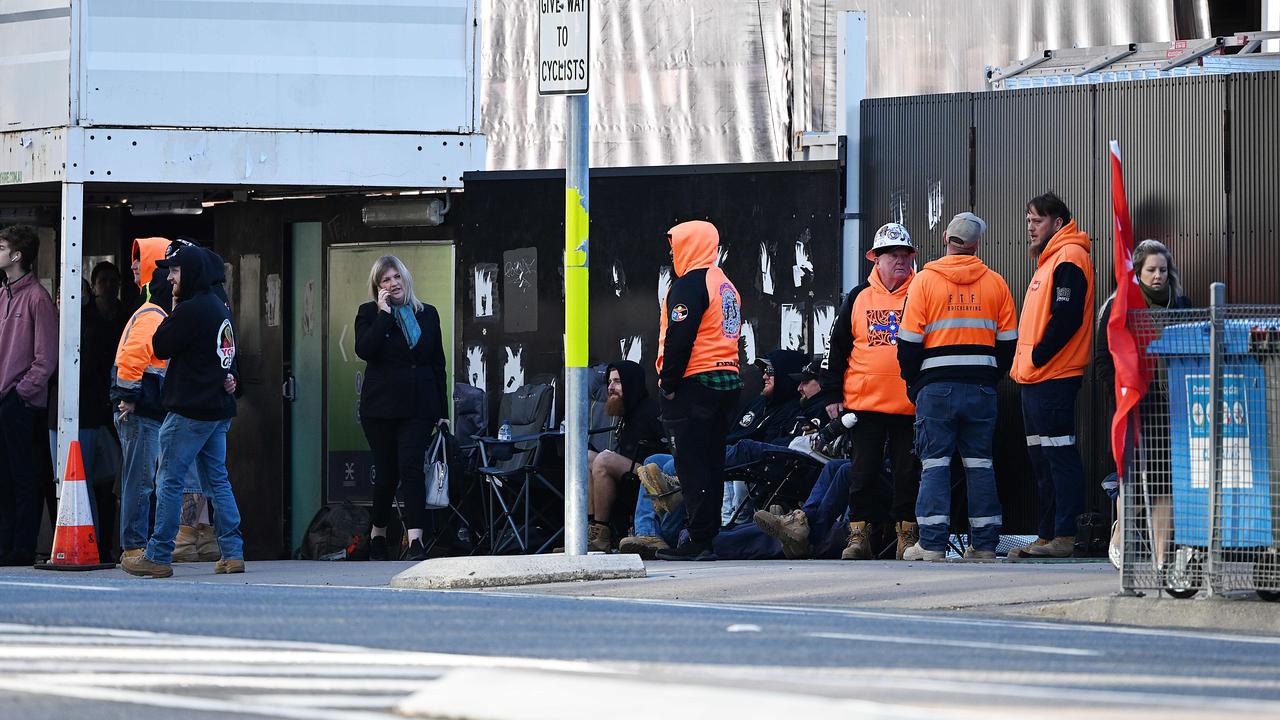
(198, 341)
(772, 419)
(639, 432)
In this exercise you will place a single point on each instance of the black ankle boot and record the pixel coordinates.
(416, 552)
(688, 550)
(378, 548)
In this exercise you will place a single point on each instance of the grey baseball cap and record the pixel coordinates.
(966, 229)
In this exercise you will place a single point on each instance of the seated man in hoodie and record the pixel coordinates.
(637, 434)
(769, 423)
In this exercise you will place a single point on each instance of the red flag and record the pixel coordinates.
(1127, 350)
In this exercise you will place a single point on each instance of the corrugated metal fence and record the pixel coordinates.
(1201, 157)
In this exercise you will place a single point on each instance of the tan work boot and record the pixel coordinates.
(131, 552)
(229, 566)
(142, 567)
(1024, 551)
(792, 530)
(859, 547)
(915, 552)
(646, 546)
(1062, 546)
(663, 489)
(599, 537)
(186, 545)
(972, 553)
(207, 543)
(908, 535)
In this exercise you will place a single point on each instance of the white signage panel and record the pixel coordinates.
(564, 42)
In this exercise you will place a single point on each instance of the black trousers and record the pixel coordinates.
(868, 501)
(19, 490)
(697, 421)
(399, 449)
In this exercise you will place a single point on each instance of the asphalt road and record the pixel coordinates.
(915, 659)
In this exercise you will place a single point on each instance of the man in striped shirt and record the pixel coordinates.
(957, 339)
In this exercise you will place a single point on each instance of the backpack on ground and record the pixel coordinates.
(339, 531)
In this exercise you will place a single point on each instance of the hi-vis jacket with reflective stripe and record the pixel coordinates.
(959, 325)
(863, 348)
(138, 375)
(1054, 314)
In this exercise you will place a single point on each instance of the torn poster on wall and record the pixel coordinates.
(271, 307)
(748, 342)
(520, 290)
(665, 276)
(804, 266)
(309, 308)
(766, 270)
(792, 327)
(632, 348)
(935, 203)
(898, 206)
(722, 256)
(484, 288)
(477, 366)
(824, 319)
(513, 368)
(618, 278)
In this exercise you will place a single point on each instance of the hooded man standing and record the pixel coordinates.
(864, 353)
(198, 341)
(637, 435)
(698, 377)
(1055, 338)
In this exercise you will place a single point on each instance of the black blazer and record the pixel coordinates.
(400, 382)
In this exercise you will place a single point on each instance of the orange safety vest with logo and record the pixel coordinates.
(873, 381)
(960, 324)
(702, 314)
(1068, 245)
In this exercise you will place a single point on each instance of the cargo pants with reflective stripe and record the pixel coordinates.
(1049, 414)
(954, 418)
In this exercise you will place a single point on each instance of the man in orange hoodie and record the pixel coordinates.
(698, 379)
(956, 342)
(1055, 339)
(863, 354)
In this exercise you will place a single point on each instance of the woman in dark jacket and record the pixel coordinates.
(402, 398)
(1161, 288)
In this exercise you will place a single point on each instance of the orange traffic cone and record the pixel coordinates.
(75, 544)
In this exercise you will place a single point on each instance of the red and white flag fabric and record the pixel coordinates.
(1128, 349)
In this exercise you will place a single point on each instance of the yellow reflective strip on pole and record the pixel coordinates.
(576, 283)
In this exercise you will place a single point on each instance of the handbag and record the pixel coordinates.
(437, 473)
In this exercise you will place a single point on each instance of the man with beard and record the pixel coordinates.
(1054, 342)
(637, 434)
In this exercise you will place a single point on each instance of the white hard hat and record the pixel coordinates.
(891, 235)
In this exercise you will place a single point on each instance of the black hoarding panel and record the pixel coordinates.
(1255, 188)
(780, 245)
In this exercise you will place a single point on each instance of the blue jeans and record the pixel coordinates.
(184, 442)
(88, 438)
(952, 418)
(139, 450)
(825, 508)
(1049, 414)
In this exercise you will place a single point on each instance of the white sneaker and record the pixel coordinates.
(1115, 551)
(915, 552)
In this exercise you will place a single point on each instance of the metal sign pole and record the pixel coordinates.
(576, 261)
(1217, 313)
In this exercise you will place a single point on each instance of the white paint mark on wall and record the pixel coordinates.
(722, 255)
(477, 369)
(936, 201)
(272, 302)
(748, 339)
(803, 264)
(665, 277)
(766, 270)
(618, 275)
(485, 277)
(792, 327)
(513, 368)
(631, 348)
(824, 318)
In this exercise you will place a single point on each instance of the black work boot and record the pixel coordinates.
(688, 550)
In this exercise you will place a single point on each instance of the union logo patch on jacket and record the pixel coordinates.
(882, 327)
(226, 344)
(731, 310)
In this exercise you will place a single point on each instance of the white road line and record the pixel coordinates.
(363, 702)
(60, 586)
(244, 681)
(973, 645)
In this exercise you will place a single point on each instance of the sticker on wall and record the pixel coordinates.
(898, 206)
(513, 368)
(484, 284)
(791, 327)
(618, 278)
(632, 348)
(477, 368)
(665, 276)
(803, 269)
(824, 318)
(520, 290)
(271, 304)
(935, 203)
(766, 270)
(748, 342)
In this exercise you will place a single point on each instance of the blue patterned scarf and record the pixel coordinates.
(408, 324)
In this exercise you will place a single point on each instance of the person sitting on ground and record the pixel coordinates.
(637, 434)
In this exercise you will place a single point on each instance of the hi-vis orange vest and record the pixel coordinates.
(1068, 245)
(873, 381)
(695, 246)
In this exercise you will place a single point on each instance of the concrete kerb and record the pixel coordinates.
(456, 573)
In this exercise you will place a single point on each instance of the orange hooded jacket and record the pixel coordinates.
(1068, 245)
(138, 374)
(702, 314)
(869, 329)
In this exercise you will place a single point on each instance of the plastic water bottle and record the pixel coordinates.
(504, 432)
